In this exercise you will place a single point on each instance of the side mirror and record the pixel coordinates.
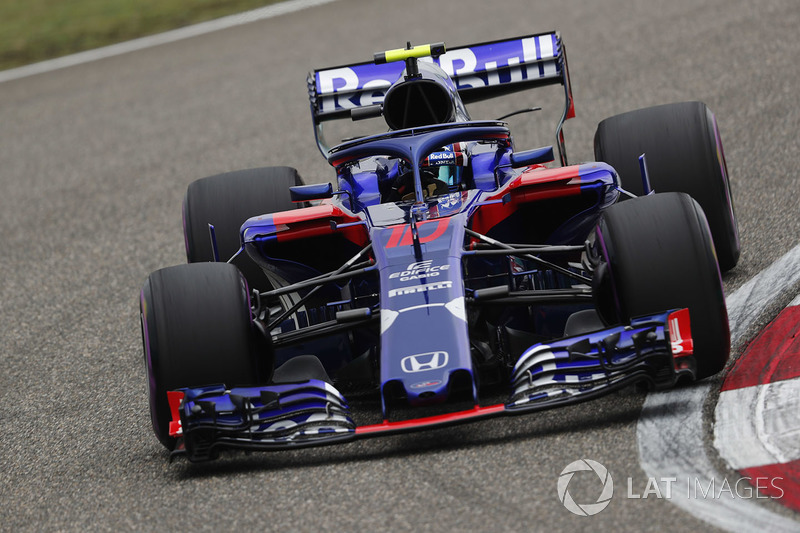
(316, 191)
(532, 157)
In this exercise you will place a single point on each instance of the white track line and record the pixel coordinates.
(274, 10)
(672, 433)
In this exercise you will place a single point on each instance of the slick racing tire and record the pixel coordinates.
(684, 154)
(656, 255)
(196, 331)
(226, 201)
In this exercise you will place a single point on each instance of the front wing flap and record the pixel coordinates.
(271, 417)
(655, 349)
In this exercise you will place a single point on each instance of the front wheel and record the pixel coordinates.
(226, 201)
(196, 331)
(656, 254)
(684, 153)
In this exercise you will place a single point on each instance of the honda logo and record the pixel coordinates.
(424, 361)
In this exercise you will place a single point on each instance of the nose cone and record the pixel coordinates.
(430, 388)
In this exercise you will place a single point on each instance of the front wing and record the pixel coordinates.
(655, 349)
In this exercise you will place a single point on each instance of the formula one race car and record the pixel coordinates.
(446, 277)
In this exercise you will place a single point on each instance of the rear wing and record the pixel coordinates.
(479, 71)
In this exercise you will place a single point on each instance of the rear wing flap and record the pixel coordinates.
(479, 71)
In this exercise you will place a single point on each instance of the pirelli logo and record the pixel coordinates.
(421, 288)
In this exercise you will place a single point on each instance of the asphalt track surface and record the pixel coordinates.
(94, 162)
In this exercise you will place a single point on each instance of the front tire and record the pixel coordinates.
(684, 154)
(196, 331)
(226, 201)
(658, 255)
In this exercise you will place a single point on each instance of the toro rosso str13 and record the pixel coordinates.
(445, 276)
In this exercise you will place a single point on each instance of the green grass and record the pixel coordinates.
(35, 30)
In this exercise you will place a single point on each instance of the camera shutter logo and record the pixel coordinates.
(585, 509)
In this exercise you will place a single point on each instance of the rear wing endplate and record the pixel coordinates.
(479, 71)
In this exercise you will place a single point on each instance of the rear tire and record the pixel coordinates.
(226, 201)
(684, 154)
(196, 331)
(659, 256)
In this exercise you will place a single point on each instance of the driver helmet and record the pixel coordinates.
(448, 163)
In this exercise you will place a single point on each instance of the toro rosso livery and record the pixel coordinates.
(446, 276)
